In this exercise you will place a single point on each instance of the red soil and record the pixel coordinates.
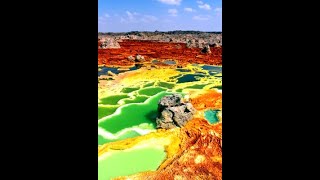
(157, 50)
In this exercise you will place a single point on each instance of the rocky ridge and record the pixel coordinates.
(193, 39)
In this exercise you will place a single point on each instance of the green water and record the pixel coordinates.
(212, 68)
(169, 62)
(155, 61)
(112, 100)
(218, 87)
(137, 99)
(128, 162)
(133, 114)
(102, 140)
(165, 85)
(151, 91)
(211, 116)
(105, 111)
(179, 90)
(213, 73)
(190, 78)
(129, 134)
(148, 84)
(197, 86)
(183, 70)
(129, 89)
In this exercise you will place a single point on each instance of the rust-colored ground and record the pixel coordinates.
(157, 50)
(205, 99)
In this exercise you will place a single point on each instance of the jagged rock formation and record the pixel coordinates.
(173, 112)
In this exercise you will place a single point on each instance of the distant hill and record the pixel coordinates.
(155, 32)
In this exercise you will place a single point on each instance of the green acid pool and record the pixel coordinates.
(105, 111)
(113, 100)
(132, 115)
(128, 162)
(211, 116)
(150, 91)
(137, 99)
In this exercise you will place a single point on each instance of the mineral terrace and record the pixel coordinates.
(160, 106)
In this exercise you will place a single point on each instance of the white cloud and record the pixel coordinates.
(172, 12)
(101, 22)
(122, 20)
(134, 17)
(102, 19)
(130, 15)
(171, 2)
(107, 15)
(149, 18)
(201, 17)
(189, 9)
(218, 9)
(167, 21)
(204, 6)
(199, 2)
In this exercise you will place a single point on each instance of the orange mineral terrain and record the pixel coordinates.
(160, 111)
(157, 50)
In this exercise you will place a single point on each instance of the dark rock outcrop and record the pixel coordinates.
(173, 112)
(206, 49)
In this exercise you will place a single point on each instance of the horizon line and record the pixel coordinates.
(160, 31)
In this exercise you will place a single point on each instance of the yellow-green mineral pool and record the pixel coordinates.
(130, 161)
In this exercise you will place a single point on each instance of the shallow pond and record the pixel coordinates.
(211, 116)
(169, 62)
(127, 162)
(189, 78)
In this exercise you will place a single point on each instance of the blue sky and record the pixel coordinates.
(161, 15)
